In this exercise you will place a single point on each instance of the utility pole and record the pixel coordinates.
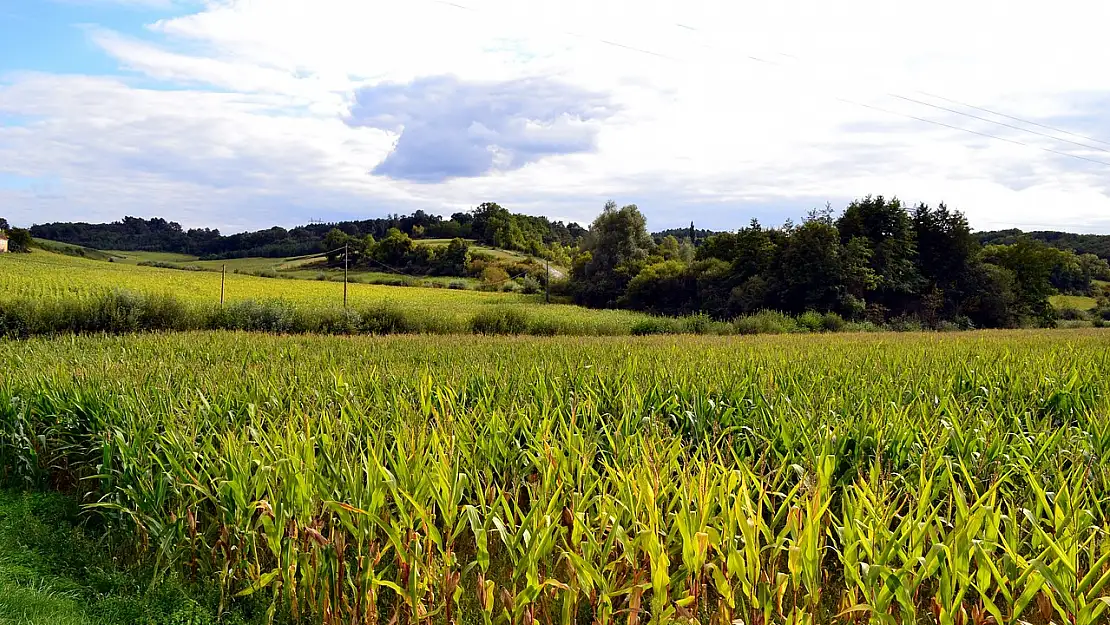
(547, 284)
(223, 277)
(344, 275)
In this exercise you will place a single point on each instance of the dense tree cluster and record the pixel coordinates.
(489, 224)
(1097, 244)
(878, 261)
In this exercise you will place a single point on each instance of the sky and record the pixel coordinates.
(243, 114)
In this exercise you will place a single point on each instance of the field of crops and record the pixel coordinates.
(43, 275)
(915, 478)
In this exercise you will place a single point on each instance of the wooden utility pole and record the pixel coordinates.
(547, 284)
(223, 277)
(344, 275)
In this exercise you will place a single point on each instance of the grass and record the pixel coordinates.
(44, 276)
(928, 478)
(1079, 302)
(53, 572)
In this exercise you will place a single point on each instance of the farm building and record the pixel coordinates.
(3, 242)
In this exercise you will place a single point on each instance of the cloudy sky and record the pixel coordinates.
(247, 113)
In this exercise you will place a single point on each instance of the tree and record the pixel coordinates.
(669, 248)
(4, 227)
(334, 242)
(19, 240)
(1032, 264)
(946, 256)
(887, 229)
(612, 253)
(454, 258)
(665, 288)
(394, 248)
(814, 271)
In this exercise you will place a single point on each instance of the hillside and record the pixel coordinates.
(488, 224)
(1097, 244)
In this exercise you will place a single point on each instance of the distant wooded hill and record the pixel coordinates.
(489, 224)
(1097, 244)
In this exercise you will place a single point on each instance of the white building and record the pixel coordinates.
(3, 242)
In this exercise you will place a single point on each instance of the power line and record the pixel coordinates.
(869, 106)
(963, 104)
(974, 132)
(991, 121)
(1024, 121)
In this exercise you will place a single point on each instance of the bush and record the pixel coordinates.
(905, 323)
(321, 276)
(832, 322)
(458, 285)
(500, 320)
(861, 326)
(1070, 313)
(698, 324)
(810, 321)
(656, 325)
(765, 322)
(1072, 324)
(530, 285)
(251, 316)
(543, 327)
(494, 276)
(384, 319)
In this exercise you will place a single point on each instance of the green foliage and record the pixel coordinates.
(614, 251)
(19, 240)
(499, 321)
(765, 322)
(1032, 264)
(944, 478)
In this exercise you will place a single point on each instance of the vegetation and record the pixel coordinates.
(877, 262)
(1096, 244)
(62, 293)
(54, 571)
(488, 224)
(888, 479)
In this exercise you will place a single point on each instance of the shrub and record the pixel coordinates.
(500, 320)
(1071, 324)
(905, 323)
(543, 327)
(321, 276)
(252, 316)
(494, 275)
(656, 325)
(530, 285)
(384, 319)
(810, 321)
(457, 284)
(765, 322)
(832, 322)
(698, 324)
(1070, 313)
(861, 326)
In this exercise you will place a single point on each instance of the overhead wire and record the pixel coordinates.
(874, 107)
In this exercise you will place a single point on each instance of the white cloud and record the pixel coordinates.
(253, 128)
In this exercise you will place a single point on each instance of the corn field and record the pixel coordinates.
(951, 479)
(42, 276)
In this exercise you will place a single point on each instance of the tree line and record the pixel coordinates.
(489, 224)
(878, 260)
